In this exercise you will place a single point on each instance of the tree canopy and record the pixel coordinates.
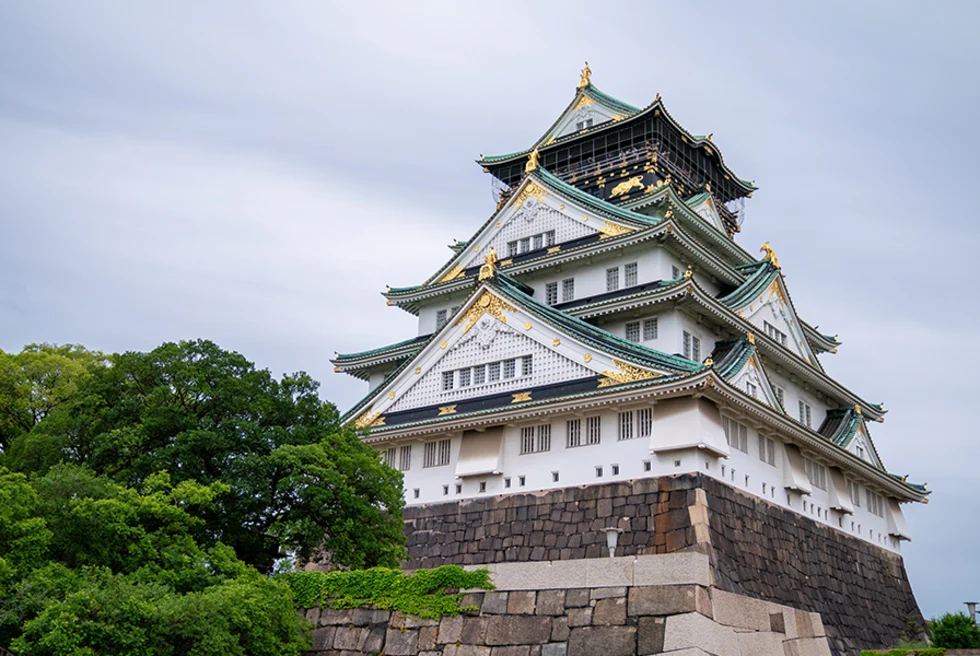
(144, 498)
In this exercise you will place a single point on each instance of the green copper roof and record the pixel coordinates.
(918, 487)
(756, 283)
(731, 355)
(606, 99)
(418, 341)
(697, 198)
(840, 426)
(402, 290)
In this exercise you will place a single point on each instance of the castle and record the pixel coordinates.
(603, 333)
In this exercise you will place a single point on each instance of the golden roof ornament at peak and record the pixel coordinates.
(489, 268)
(857, 409)
(532, 161)
(709, 361)
(586, 78)
(750, 337)
(769, 254)
(689, 272)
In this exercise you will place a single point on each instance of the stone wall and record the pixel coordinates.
(688, 619)
(756, 548)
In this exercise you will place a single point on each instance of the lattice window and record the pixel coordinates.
(675, 273)
(510, 368)
(752, 390)
(549, 238)
(775, 333)
(527, 366)
(436, 454)
(551, 293)
(525, 245)
(633, 331)
(447, 380)
(815, 473)
(855, 491)
(649, 329)
(593, 430)
(573, 432)
(644, 422)
(527, 440)
(612, 279)
(440, 319)
(537, 241)
(389, 457)
(736, 434)
(464, 377)
(512, 248)
(405, 458)
(544, 437)
(780, 395)
(626, 425)
(493, 371)
(692, 347)
(568, 290)
(630, 274)
(479, 374)
(806, 414)
(767, 451)
(875, 503)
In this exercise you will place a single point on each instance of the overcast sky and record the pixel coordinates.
(256, 173)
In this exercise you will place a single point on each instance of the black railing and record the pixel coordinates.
(645, 153)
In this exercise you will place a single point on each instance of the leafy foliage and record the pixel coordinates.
(927, 651)
(955, 631)
(294, 479)
(424, 593)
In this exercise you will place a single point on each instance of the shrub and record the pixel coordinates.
(956, 631)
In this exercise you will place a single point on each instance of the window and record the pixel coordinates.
(675, 273)
(551, 293)
(459, 488)
(780, 395)
(416, 491)
(644, 422)
(464, 377)
(537, 241)
(573, 432)
(630, 274)
(510, 368)
(815, 473)
(511, 248)
(875, 503)
(493, 371)
(860, 452)
(389, 457)
(447, 380)
(549, 238)
(806, 414)
(775, 333)
(752, 390)
(626, 425)
(614, 469)
(440, 319)
(692, 347)
(736, 434)
(445, 490)
(483, 486)
(855, 491)
(436, 453)
(612, 279)
(582, 125)
(633, 331)
(521, 480)
(479, 374)
(568, 289)
(767, 451)
(405, 458)
(536, 439)
(598, 472)
(506, 482)
(525, 245)
(526, 366)
(593, 429)
(647, 466)
(649, 329)
(554, 477)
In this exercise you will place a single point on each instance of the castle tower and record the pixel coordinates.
(601, 337)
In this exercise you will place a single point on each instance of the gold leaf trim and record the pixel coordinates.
(520, 397)
(610, 229)
(554, 249)
(487, 303)
(624, 187)
(453, 273)
(447, 410)
(369, 419)
(627, 373)
(530, 191)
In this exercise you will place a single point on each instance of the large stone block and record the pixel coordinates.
(650, 635)
(518, 630)
(475, 630)
(516, 650)
(400, 642)
(495, 603)
(349, 637)
(550, 602)
(760, 643)
(609, 612)
(579, 616)
(466, 650)
(521, 602)
(806, 647)
(323, 637)
(450, 629)
(696, 630)
(555, 649)
(668, 600)
(605, 640)
(740, 611)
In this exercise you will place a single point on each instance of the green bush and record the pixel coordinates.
(955, 631)
(424, 593)
(928, 651)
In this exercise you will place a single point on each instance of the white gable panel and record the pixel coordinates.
(772, 309)
(752, 374)
(707, 211)
(490, 341)
(585, 110)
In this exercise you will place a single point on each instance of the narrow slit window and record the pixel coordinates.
(573, 432)
(626, 425)
(644, 422)
(526, 367)
(447, 380)
(593, 427)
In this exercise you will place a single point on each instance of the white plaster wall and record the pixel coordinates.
(576, 466)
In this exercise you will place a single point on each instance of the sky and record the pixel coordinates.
(257, 173)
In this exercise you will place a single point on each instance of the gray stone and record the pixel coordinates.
(559, 629)
(400, 642)
(696, 630)
(466, 650)
(475, 630)
(313, 615)
(577, 598)
(740, 611)
(605, 593)
(323, 637)
(550, 602)
(521, 602)
(450, 629)
(349, 637)
(366, 616)
(427, 637)
(518, 630)
(605, 640)
(330, 617)
(522, 650)
(649, 635)
(579, 616)
(668, 600)
(374, 641)
(608, 612)
(806, 647)
(495, 603)
(777, 623)
(555, 649)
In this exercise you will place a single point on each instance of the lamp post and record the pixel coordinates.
(971, 607)
(612, 539)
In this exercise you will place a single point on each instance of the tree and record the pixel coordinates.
(294, 480)
(955, 631)
(36, 381)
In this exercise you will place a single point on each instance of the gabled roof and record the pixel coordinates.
(842, 425)
(359, 364)
(732, 357)
(636, 363)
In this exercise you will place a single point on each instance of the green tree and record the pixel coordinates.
(955, 631)
(36, 381)
(295, 480)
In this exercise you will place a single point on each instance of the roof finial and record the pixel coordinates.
(750, 337)
(532, 161)
(489, 268)
(769, 254)
(857, 409)
(709, 361)
(689, 272)
(586, 78)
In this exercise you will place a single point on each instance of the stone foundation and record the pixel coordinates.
(756, 548)
(642, 605)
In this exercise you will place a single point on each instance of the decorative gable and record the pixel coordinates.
(753, 381)
(707, 210)
(775, 317)
(861, 446)
(585, 112)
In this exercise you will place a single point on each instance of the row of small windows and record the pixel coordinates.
(400, 456)
(567, 291)
(443, 315)
(645, 330)
(532, 243)
(815, 473)
(692, 347)
(434, 454)
(630, 276)
(583, 124)
(775, 333)
(629, 424)
(487, 373)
